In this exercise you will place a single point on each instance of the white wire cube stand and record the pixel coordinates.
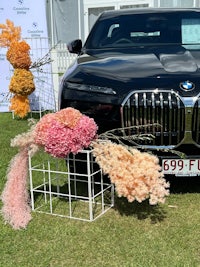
(57, 187)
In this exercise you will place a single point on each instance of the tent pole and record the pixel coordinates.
(79, 19)
(52, 23)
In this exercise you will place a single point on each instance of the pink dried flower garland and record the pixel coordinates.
(16, 210)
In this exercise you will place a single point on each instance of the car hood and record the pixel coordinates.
(149, 69)
(144, 64)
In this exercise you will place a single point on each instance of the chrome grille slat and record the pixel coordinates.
(136, 106)
(178, 119)
(196, 122)
(170, 117)
(161, 118)
(153, 115)
(145, 109)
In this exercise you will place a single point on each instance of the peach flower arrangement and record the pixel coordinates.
(136, 175)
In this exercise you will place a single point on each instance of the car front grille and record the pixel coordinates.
(157, 113)
(196, 122)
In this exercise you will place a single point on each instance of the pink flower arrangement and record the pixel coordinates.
(66, 131)
(136, 175)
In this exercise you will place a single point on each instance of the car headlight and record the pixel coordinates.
(91, 88)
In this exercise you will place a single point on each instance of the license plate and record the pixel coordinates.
(181, 167)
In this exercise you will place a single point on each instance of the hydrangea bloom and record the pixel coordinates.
(69, 118)
(41, 128)
(64, 132)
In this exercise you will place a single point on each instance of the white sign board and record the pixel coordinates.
(31, 17)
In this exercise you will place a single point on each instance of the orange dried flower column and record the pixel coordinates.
(21, 83)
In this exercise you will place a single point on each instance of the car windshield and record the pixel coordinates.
(148, 29)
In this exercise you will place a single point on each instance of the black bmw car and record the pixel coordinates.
(141, 67)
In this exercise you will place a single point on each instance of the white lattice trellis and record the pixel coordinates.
(61, 60)
(43, 98)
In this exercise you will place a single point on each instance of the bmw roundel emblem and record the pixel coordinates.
(187, 85)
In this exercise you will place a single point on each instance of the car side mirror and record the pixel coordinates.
(75, 46)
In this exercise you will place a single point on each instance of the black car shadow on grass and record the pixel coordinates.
(183, 185)
(157, 213)
(141, 211)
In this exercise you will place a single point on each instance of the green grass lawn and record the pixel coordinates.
(128, 235)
